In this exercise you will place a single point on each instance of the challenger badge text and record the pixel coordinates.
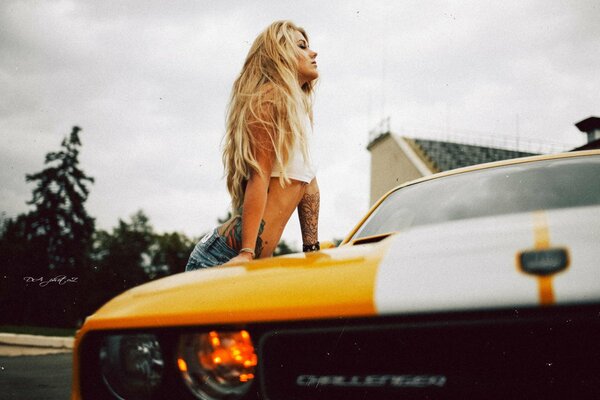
(414, 381)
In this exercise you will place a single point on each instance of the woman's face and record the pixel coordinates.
(307, 66)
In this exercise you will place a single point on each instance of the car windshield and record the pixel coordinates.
(558, 183)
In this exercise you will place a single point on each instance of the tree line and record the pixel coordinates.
(56, 267)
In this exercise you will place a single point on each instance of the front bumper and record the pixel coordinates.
(549, 352)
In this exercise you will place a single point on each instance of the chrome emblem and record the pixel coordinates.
(543, 262)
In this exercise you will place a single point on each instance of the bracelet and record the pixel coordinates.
(311, 247)
(248, 250)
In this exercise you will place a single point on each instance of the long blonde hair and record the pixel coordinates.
(268, 92)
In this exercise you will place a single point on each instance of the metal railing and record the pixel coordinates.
(474, 138)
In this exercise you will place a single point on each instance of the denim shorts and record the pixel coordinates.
(210, 251)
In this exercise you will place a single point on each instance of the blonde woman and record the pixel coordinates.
(266, 151)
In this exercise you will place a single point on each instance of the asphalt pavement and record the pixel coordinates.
(36, 377)
(35, 367)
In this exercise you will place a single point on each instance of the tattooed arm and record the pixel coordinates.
(308, 213)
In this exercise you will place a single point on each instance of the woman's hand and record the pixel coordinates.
(240, 259)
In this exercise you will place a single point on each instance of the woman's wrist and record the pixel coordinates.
(249, 251)
(307, 248)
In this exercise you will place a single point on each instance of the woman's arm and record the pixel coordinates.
(308, 213)
(255, 195)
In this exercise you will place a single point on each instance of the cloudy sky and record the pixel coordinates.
(148, 82)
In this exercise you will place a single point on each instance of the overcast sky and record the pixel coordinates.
(148, 81)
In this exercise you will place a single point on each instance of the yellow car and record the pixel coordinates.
(476, 283)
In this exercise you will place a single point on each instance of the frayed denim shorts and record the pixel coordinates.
(210, 251)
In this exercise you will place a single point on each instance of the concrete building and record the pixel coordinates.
(398, 159)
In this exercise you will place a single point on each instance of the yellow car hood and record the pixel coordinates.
(330, 283)
(457, 265)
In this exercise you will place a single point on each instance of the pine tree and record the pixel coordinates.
(59, 218)
(59, 236)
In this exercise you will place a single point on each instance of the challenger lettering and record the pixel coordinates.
(412, 381)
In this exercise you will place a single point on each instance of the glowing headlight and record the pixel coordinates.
(131, 365)
(217, 365)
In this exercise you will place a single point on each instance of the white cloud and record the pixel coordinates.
(148, 81)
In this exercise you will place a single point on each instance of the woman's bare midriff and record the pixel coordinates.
(281, 203)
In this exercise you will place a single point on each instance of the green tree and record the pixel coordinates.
(50, 241)
(59, 217)
(20, 257)
(122, 257)
(170, 254)
(283, 248)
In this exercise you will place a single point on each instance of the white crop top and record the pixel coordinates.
(298, 168)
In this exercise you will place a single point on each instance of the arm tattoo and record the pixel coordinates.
(233, 236)
(308, 213)
(259, 242)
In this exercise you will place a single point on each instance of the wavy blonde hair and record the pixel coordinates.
(267, 92)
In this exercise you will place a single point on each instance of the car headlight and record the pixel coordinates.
(217, 365)
(131, 365)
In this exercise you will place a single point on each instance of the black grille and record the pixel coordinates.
(518, 358)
